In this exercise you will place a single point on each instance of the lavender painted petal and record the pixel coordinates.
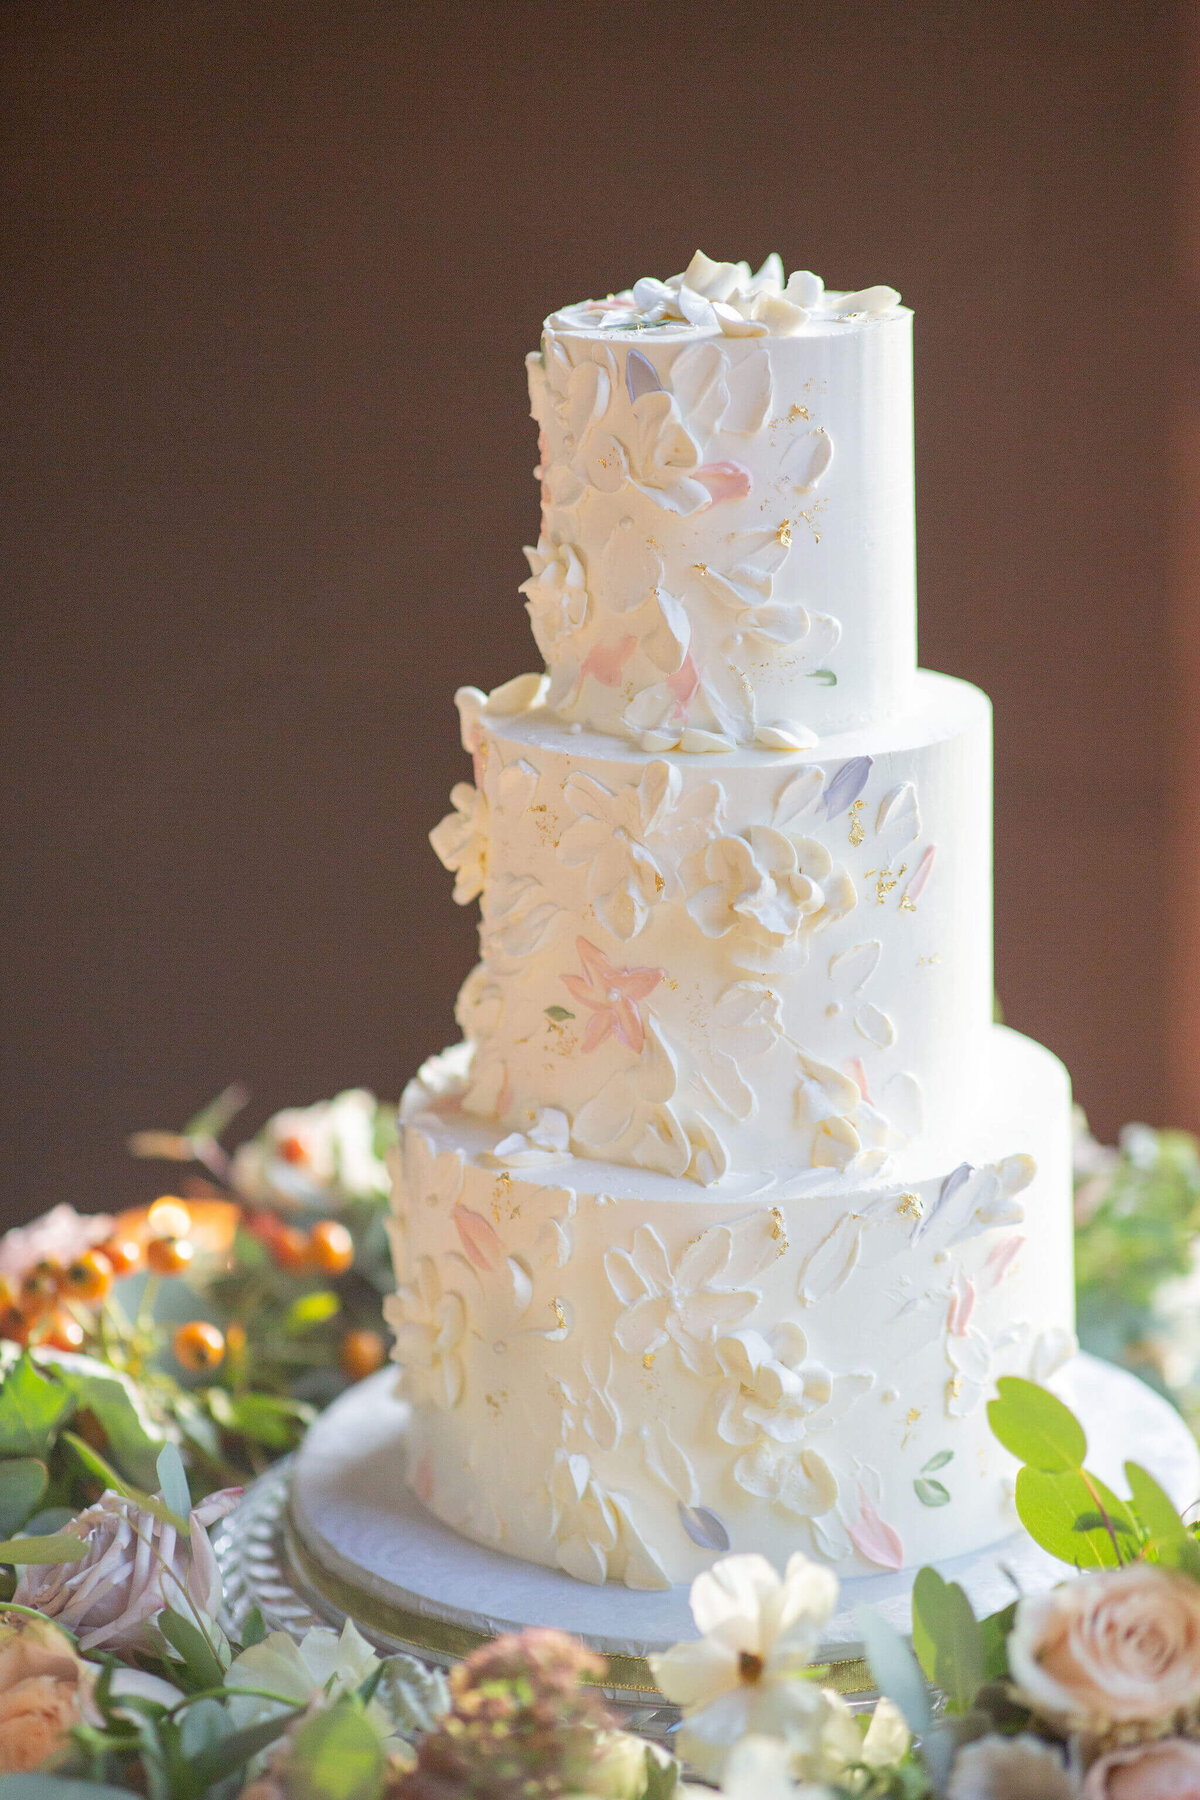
(703, 1527)
(639, 375)
(846, 785)
(953, 1182)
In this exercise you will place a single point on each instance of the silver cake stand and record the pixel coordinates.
(333, 1533)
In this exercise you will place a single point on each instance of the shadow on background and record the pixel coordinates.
(271, 272)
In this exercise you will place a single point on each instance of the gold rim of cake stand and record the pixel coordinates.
(446, 1640)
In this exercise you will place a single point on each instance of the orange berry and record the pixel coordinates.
(361, 1353)
(39, 1290)
(169, 1217)
(123, 1255)
(169, 1255)
(235, 1339)
(198, 1346)
(62, 1332)
(88, 1277)
(289, 1246)
(292, 1150)
(330, 1247)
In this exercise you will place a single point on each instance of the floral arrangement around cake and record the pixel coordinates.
(153, 1361)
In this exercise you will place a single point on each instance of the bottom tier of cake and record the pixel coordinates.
(623, 1375)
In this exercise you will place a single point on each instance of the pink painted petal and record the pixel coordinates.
(685, 681)
(962, 1305)
(921, 874)
(482, 1246)
(635, 984)
(599, 1026)
(724, 480)
(605, 661)
(597, 965)
(627, 1023)
(1002, 1258)
(877, 1542)
(585, 992)
(853, 1067)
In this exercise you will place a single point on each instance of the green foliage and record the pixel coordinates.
(23, 1482)
(32, 1409)
(947, 1638)
(1075, 1517)
(336, 1755)
(896, 1670)
(1036, 1426)
(62, 1547)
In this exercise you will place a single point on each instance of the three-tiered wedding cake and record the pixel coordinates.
(719, 1226)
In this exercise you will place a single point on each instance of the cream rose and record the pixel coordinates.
(1112, 1648)
(133, 1566)
(1168, 1769)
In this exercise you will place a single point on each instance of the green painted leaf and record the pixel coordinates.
(937, 1462)
(950, 1638)
(310, 1310)
(826, 677)
(63, 1547)
(336, 1755)
(172, 1481)
(931, 1493)
(1060, 1509)
(896, 1670)
(213, 1120)
(31, 1411)
(558, 1014)
(1035, 1425)
(23, 1481)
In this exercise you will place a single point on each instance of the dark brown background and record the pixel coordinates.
(270, 273)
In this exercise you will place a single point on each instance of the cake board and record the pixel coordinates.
(334, 1533)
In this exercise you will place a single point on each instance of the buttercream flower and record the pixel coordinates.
(460, 841)
(1117, 1647)
(1167, 1769)
(773, 890)
(1011, 1768)
(690, 1305)
(746, 1672)
(315, 1156)
(557, 596)
(59, 1236)
(772, 1400)
(611, 996)
(430, 1324)
(609, 837)
(133, 1566)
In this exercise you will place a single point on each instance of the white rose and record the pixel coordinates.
(1112, 1648)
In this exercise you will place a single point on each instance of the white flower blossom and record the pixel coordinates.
(315, 1156)
(746, 1674)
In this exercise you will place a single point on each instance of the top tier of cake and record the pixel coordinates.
(727, 544)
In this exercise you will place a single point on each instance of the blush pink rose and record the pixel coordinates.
(1120, 1646)
(1167, 1769)
(133, 1567)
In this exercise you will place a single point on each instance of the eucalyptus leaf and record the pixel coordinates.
(1036, 1426)
(1060, 1509)
(32, 1410)
(896, 1670)
(23, 1481)
(231, 1755)
(995, 1629)
(172, 1481)
(951, 1630)
(62, 1547)
(1155, 1509)
(336, 1754)
(202, 1663)
(202, 1725)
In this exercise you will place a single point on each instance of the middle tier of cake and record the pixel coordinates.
(704, 965)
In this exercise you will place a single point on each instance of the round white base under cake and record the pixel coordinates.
(344, 1536)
